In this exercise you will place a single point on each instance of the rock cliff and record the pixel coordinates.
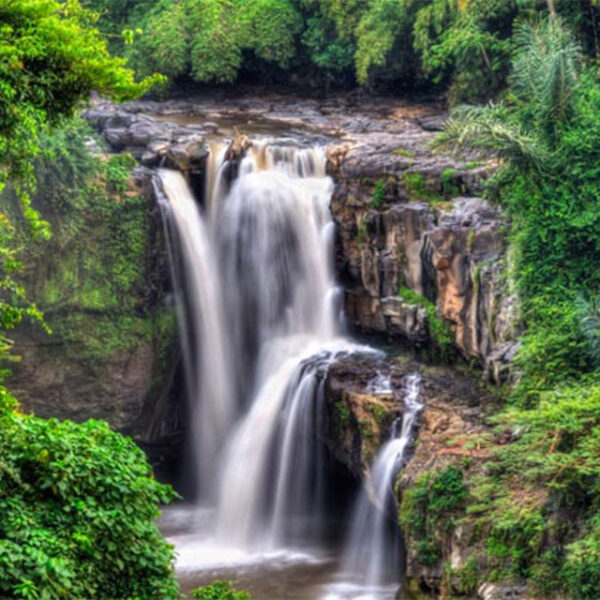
(416, 223)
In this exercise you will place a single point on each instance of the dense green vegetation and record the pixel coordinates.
(535, 505)
(220, 590)
(463, 46)
(77, 502)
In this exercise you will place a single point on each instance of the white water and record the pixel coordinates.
(261, 324)
(370, 565)
(260, 320)
(208, 366)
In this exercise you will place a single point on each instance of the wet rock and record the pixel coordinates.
(188, 154)
(494, 591)
(453, 414)
(239, 144)
(432, 123)
(151, 141)
(117, 139)
(210, 127)
(142, 132)
(406, 320)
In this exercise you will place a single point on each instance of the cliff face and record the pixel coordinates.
(418, 224)
(102, 283)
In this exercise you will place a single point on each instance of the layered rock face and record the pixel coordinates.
(112, 354)
(416, 222)
(359, 418)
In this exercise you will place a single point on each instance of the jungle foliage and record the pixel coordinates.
(77, 502)
(535, 505)
(77, 510)
(462, 46)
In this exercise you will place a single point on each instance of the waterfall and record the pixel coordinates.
(261, 324)
(276, 236)
(371, 560)
(206, 351)
(260, 318)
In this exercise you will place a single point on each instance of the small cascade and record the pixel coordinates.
(371, 562)
(216, 184)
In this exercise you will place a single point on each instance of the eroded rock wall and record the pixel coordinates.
(102, 283)
(409, 220)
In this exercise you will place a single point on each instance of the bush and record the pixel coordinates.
(429, 510)
(581, 570)
(77, 511)
(219, 590)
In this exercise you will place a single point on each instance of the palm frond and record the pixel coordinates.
(488, 132)
(546, 68)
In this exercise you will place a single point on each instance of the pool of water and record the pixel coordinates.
(280, 574)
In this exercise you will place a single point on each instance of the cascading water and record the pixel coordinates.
(261, 323)
(370, 564)
(260, 312)
(276, 235)
(201, 319)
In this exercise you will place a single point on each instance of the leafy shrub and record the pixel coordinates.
(77, 511)
(219, 590)
(429, 509)
(581, 570)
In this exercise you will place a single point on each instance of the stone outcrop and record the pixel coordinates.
(406, 222)
(359, 415)
(154, 143)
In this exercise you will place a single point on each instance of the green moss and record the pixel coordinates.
(361, 234)
(439, 330)
(379, 412)
(366, 429)
(473, 164)
(91, 277)
(450, 187)
(405, 152)
(466, 579)
(379, 193)
(414, 183)
(343, 412)
(415, 186)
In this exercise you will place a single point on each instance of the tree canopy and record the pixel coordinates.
(462, 46)
(51, 59)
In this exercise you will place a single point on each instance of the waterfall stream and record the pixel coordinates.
(261, 324)
(371, 562)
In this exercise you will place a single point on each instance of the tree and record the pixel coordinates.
(543, 80)
(51, 59)
(208, 39)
